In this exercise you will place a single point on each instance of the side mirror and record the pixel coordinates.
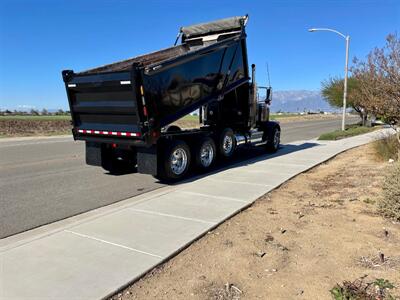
(268, 97)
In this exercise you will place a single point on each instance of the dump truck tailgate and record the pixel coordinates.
(103, 104)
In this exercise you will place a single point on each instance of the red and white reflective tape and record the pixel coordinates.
(115, 133)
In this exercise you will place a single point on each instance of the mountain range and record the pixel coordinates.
(282, 101)
(299, 101)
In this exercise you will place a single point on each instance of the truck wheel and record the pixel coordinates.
(172, 128)
(205, 153)
(115, 166)
(227, 143)
(176, 161)
(274, 139)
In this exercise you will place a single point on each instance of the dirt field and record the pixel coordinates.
(295, 118)
(14, 126)
(192, 121)
(32, 126)
(296, 242)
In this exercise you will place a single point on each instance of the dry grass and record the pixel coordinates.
(387, 148)
(379, 261)
(361, 289)
(389, 205)
(351, 130)
(228, 292)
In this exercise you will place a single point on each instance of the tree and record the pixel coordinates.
(379, 80)
(44, 112)
(332, 91)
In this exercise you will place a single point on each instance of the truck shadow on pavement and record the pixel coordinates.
(246, 157)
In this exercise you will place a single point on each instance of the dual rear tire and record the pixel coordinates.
(118, 162)
(205, 154)
(175, 161)
(177, 157)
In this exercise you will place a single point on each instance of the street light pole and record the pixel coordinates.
(346, 67)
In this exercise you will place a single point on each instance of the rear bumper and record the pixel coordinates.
(112, 140)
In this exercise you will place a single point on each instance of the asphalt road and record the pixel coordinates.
(45, 180)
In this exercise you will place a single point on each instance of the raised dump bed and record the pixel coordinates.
(122, 109)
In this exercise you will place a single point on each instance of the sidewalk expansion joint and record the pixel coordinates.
(266, 163)
(111, 243)
(212, 196)
(240, 182)
(171, 216)
(271, 173)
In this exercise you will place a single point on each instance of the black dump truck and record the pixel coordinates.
(124, 110)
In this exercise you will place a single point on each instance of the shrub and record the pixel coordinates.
(387, 148)
(389, 206)
(363, 290)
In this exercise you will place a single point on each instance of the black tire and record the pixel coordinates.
(172, 128)
(273, 139)
(227, 143)
(174, 150)
(205, 154)
(115, 166)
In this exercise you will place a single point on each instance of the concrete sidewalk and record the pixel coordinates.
(92, 257)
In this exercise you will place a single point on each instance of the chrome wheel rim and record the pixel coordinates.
(277, 138)
(206, 155)
(178, 161)
(227, 144)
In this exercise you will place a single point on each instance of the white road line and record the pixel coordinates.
(171, 216)
(114, 244)
(212, 196)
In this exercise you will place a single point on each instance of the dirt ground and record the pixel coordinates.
(18, 127)
(34, 126)
(192, 121)
(296, 242)
(297, 118)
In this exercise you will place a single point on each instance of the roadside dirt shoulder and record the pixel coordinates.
(296, 242)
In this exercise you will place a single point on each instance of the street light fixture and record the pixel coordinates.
(347, 38)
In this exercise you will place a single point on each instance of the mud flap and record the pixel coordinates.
(93, 154)
(147, 160)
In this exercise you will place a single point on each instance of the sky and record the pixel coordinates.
(40, 38)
